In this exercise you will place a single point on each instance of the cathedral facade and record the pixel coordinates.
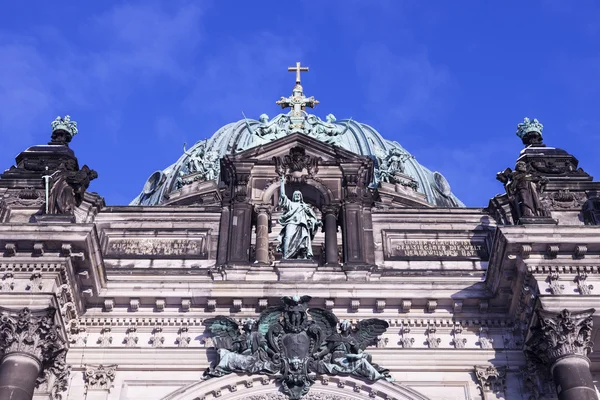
(298, 258)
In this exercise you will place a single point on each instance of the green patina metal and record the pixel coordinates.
(389, 156)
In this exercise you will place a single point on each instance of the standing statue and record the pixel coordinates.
(523, 189)
(299, 223)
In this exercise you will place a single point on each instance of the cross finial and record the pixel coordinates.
(298, 69)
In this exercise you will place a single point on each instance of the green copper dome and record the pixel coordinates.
(359, 138)
(393, 164)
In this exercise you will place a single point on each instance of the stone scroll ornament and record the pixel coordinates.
(295, 344)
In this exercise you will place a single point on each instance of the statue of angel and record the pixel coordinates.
(242, 352)
(266, 131)
(210, 166)
(327, 132)
(194, 163)
(390, 163)
(343, 352)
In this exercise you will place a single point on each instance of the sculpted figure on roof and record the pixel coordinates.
(194, 163)
(267, 131)
(391, 164)
(327, 131)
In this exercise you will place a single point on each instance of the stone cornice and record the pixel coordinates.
(195, 358)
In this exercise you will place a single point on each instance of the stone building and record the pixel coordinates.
(220, 281)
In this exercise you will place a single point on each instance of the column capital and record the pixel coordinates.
(263, 209)
(99, 377)
(31, 332)
(561, 334)
(333, 209)
(36, 334)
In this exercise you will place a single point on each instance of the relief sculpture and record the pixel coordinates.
(294, 344)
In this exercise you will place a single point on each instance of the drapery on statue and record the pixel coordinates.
(523, 189)
(299, 223)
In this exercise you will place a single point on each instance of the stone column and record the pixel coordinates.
(562, 342)
(263, 218)
(30, 342)
(330, 216)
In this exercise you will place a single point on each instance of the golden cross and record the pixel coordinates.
(298, 69)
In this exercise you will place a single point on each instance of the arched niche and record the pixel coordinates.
(313, 192)
(257, 387)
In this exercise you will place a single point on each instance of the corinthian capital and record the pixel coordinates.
(31, 332)
(561, 334)
(333, 209)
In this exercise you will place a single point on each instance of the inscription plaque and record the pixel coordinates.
(157, 247)
(402, 249)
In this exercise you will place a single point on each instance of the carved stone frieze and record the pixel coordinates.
(131, 338)
(99, 377)
(459, 341)
(183, 339)
(582, 286)
(555, 287)
(406, 341)
(561, 334)
(297, 166)
(432, 340)
(490, 379)
(564, 199)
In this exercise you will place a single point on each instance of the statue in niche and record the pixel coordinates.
(299, 223)
(343, 352)
(523, 189)
(327, 131)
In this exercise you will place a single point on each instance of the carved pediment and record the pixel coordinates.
(252, 174)
(315, 148)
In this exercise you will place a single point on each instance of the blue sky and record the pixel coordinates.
(448, 80)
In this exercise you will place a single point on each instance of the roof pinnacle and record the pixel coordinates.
(297, 102)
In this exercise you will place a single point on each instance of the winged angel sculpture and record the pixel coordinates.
(295, 343)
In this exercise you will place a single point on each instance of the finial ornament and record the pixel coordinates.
(530, 132)
(297, 69)
(297, 101)
(63, 130)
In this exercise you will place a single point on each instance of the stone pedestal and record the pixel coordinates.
(562, 342)
(289, 270)
(30, 342)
